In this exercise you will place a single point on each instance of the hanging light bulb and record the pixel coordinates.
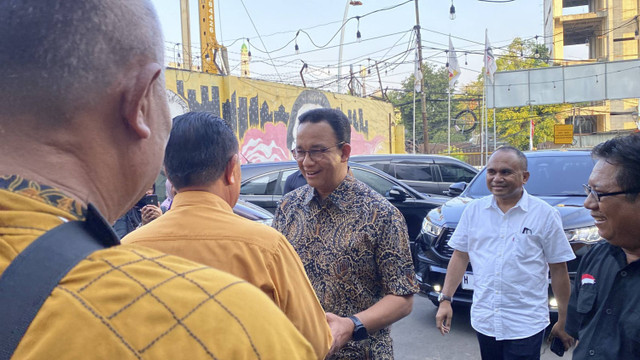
(536, 54)
(452, 11)
(465, 59)
(297, 49)
(358, 35)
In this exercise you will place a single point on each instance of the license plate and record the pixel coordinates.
(467, 282)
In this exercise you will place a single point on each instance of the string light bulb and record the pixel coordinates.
(358, 35)
(452, 11)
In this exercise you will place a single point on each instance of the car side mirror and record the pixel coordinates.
(397, 193)
(456, 189)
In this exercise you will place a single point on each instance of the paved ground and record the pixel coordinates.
(416, 337)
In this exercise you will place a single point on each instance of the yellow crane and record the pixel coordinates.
(213, 55)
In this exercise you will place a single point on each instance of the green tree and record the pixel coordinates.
(512, 124)
(436, 81)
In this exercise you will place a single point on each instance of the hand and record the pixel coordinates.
(443, 317)
(150, 213)
(341, 329)
(558, 331)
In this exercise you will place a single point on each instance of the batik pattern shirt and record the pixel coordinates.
(355, 248)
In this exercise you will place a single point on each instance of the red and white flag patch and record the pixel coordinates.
(588, 279)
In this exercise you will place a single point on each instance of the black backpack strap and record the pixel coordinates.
(31, 277)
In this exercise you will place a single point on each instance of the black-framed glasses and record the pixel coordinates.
(314, 155)
(597, 195)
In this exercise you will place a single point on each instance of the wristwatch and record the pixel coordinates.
(442, 297)
(359, 331)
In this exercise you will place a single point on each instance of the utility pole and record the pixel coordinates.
(423, 96)
(186, 35)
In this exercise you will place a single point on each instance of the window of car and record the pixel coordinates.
(285, 175)
(549, 176)
(383, 166)
(416, 172)
(375, 181)
(262, 185)
(454, 173)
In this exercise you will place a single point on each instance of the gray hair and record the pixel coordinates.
(57, 56)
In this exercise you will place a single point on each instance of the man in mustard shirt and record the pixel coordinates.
(84, 120)
(203, 165)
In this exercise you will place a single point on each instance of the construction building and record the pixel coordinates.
(609, 30)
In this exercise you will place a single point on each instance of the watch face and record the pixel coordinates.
(360, 334)
(359, 331)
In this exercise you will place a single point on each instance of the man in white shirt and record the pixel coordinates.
(512, 240)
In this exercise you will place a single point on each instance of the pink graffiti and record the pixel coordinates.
(361, 146)
(270, 145)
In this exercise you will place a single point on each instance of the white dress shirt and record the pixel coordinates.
(510, 256)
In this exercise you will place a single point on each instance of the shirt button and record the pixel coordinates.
(608, 311)
(623, 273)
(592, 352)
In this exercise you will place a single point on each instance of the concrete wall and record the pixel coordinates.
(264, 115)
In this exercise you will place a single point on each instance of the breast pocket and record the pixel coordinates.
(527, 246)
(586, 298)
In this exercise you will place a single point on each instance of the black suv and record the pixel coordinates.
(429, 174)
(556, 177)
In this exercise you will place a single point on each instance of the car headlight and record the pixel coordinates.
(431, 228)
(585, 235)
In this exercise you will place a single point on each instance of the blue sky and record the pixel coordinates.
(386, 34)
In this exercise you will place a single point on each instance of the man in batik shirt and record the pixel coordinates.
(353, 243)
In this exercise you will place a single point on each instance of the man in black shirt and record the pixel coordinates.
(293, 182)
(603, 310)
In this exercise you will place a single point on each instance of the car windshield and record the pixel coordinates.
(550, 176)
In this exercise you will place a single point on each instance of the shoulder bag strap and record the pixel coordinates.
(31, 277)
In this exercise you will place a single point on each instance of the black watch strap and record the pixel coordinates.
(359, 331)
(442, 297)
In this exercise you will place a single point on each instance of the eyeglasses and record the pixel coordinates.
(597, 195)
(314, 155)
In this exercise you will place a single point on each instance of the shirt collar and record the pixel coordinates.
(43, 193)
(339, 197)
(523, 203)
(190, 198)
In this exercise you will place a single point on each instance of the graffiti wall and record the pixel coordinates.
(264, 115)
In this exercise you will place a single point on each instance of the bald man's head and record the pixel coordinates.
(60, 56)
